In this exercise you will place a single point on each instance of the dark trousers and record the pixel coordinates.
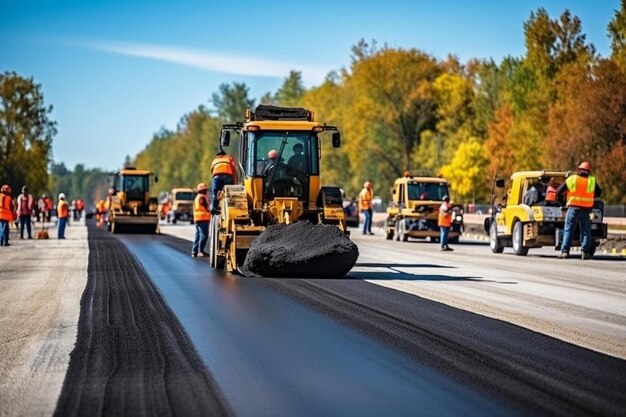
(217, 184)
(367, 224)
(61, 228)
(573, 216)
(25, 222)
(201, 237)
(443, 236)
(4, 232)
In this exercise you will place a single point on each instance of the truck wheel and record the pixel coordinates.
(389, 235)
(397, 230)
(402, 232)
(174, 220)
(593, 247)
(518, 240)
(494, 243)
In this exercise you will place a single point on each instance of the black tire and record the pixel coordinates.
(593, 247)
(518, 240)
(494, 243)
(174, 220)
(389, 235)
(397, 230)
(401, 232)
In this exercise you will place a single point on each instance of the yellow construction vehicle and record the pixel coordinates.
(131, 207)
(529, 217)
(414, 209)
(279, 163)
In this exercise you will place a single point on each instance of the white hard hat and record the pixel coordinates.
(61, 196)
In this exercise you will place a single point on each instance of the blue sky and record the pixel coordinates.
(117, 71)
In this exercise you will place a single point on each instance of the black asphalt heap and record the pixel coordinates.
(132, 356)
(301, 249)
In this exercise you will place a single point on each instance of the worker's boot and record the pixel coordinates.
(563, 255)
(584, 255)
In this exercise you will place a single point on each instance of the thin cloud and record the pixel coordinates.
(210, 61)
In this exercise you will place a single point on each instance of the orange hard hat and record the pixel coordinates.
(202, 186)
(585, 166)
(367, 184)
(6, 188)
(406, 173)
(272, 154)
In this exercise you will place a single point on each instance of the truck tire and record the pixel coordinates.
(494, 242)
(593, 247)
(389, 235)
(518, 240)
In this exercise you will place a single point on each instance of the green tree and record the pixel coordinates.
(231, 102)
(617, 33)
(26, 133)
(291, 91)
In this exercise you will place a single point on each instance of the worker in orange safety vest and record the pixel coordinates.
(581, 189)
(63, 214)
(366, 199)
(201, 217)
(445, 223)
(223, 172)
(6, 213)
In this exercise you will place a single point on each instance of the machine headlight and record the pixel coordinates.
(458, 218)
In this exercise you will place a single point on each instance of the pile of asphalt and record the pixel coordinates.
(301, 249)
(132, 356)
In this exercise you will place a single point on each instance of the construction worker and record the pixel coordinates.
(80, 206)
(25, 204)
(581, 190)
(223, 172)
(201, 217)
(100, 212)
(6, 213)
(63, 213)
(366, 197)
(445, 223)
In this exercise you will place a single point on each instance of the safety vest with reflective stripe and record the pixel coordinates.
(222, 165)
(63, 211)
(365, 197)
(581, 190)
(445, 216)
(200, 212)
(6, 213)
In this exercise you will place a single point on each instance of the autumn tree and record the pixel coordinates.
(617, 33)
(26, 133)
(466, 172)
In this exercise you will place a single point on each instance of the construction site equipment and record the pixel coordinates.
(523, 221)
(414, 210)
(131, 208)
(279, 155)
(181, 205)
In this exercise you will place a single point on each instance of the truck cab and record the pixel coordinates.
(414, 209)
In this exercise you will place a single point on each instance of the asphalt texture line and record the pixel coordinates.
(132, 356)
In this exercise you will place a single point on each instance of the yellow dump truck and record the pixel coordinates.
(414, 209)
(131, 207)
(181, 205)
(527, 217)
(279, 155)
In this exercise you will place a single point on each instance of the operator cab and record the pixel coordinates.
(285, 161)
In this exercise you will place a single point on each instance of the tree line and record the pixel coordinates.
(556, 105)
(402, 109)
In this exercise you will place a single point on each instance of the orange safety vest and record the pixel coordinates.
(63, 211)
(445, 217)
(200, 212)
(6, 213)
(101, 206)
(581, 191)
(551, 193)
(365, 197)
(223, 164)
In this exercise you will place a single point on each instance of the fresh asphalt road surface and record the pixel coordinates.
(349, 347)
